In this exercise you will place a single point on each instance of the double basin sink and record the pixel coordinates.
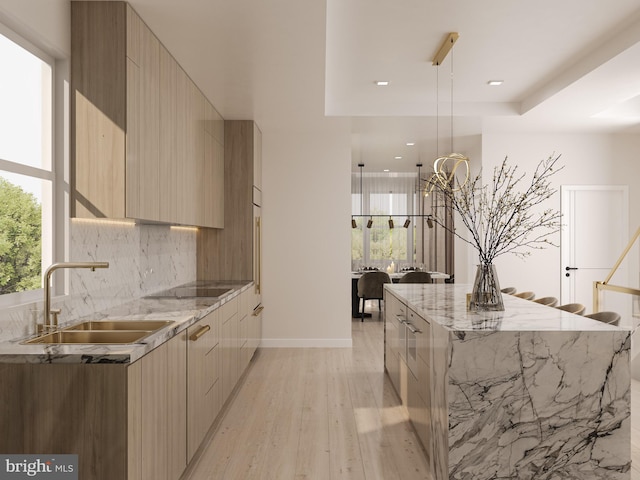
(106, 332)
(117, 332)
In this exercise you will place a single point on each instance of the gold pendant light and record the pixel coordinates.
(445, 167)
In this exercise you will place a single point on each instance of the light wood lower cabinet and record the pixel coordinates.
(229, 341)
(255, 329)
(203, 382)
(395, 337)
(157, 412)
(408, 363)
(138, 421)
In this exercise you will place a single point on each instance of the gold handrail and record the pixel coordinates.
(599, 286)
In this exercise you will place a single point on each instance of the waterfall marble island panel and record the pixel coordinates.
(529, 393)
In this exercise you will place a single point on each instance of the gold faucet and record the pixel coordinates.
(50, 321)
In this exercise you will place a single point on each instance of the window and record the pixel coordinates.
(383, 196)
(26, 168)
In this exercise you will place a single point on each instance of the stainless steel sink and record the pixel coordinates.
(142, 325)
(108, 337)
(105, 332)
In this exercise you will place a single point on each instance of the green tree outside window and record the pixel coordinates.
(20, 239)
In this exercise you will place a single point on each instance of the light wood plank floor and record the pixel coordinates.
(325, 414)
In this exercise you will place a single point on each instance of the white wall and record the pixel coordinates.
(588, 159)
(306, 235)
(46, 23)
(625, 168)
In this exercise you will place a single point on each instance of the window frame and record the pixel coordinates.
(362, 202)
(55, 226)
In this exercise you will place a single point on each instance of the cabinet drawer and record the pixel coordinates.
(211, 367)
(243, 303)
(424, 340)
(228, 310)
(204, 334)
(394, 307)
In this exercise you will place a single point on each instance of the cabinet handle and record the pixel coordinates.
(258, 259)
(258, 311)
(412, 328)
(201, 331)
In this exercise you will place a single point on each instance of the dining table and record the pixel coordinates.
(395, 278)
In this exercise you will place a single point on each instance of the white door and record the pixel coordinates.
(594, 234)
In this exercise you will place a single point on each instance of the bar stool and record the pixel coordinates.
(576, 308)
(611, 318)
(525, 295)
(548, 301)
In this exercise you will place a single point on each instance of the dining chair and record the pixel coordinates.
(548, 301)
(525, 295)
(576, 308)
(416, 277)
(611, 318)
(371, 287)
(509, 290)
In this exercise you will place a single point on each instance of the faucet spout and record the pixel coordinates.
(51, 316)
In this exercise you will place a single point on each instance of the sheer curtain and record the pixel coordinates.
(381, 197)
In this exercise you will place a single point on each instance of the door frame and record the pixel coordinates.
(566, 232)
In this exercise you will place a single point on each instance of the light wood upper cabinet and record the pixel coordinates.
(168, 141)
(227, 254)
(211, 181)
(257, 157)
(139, 125)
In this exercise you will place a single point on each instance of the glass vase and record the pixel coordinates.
(486, 295)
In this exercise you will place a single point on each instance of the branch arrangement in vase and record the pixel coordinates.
(504, 215)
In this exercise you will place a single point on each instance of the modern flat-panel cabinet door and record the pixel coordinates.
(229, 354)
(143, 175)
(243, 331)
(203, 395)
(186, 174)
(162, 410)
(391, 359)
(168, 141)
(154, 407)
(138, 125)
(177, 405)
(212, 179)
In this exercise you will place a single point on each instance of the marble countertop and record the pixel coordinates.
(184, 312)
(446, 304)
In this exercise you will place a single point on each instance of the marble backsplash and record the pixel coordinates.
(142, 259)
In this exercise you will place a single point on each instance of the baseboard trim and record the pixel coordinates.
(306, 343)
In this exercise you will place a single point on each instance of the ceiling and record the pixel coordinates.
(569, 66)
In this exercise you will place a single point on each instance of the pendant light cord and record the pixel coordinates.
(437, 110)
(452, 98)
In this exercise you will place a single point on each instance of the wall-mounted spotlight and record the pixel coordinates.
(406, 223)
(390, 222)
(370, 222)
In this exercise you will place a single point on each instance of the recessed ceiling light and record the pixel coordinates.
(410, 144)
(398, 158)
(386, 170)
(382, 83)
(495, 82)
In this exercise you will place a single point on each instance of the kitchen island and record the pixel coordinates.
(529, 393)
